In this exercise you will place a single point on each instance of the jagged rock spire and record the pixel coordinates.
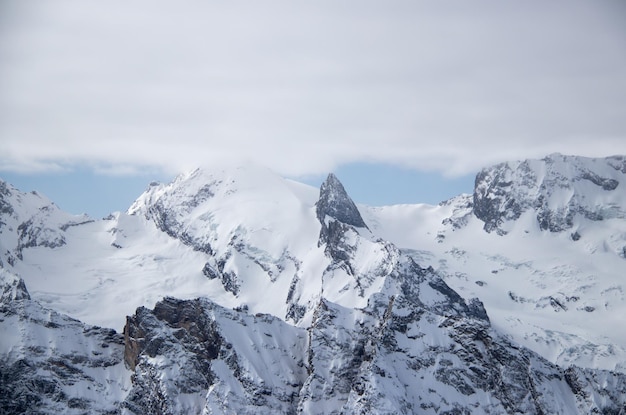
(335, 203)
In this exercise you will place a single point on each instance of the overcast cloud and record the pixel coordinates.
(305, 86)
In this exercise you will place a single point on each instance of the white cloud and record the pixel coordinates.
(303, 87)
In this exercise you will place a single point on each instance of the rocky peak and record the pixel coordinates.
(12, 288)
(335, 203)
(29, 220)
(561, 190)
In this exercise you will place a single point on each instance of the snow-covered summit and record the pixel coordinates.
(256, 229)
(30, 220)
(206, 207)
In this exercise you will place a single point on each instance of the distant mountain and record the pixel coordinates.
(561, 191)
(243, 292)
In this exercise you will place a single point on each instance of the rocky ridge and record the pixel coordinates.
(559, 190)
(29, 220)
(51, 363)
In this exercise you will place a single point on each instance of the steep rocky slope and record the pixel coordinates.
(560, 190)
(51, 363)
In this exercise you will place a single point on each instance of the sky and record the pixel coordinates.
(404, 100)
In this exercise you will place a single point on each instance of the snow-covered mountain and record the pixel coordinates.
(557, 289)
(243, 292)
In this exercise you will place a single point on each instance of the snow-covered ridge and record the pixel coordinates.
(29, 220)
(563, 192)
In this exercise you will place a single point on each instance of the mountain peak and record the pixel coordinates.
(335, 203)
(561, 189)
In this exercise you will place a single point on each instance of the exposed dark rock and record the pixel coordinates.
(68, 225)
(597, 391)
(504, 192)
(168, 223)
(184, 338)
(493, 201)
(215, 269)
(477, 310)
(5, 206)
(32, 234)
(335, 203)
(603, 182)
(35, 377)
(177, 330)
(209, 272)
(557, 305)
(463, 207)
(196, 332)
(333, 235)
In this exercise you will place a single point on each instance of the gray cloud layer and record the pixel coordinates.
(305, 86)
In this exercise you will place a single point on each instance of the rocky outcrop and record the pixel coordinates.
(51, 363)
(335, 203)
(178, 336)
(12, 288)
(560, 190)
(167, 206)
(344, 237)
(194, 356)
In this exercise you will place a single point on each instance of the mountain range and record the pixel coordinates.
(237, 291)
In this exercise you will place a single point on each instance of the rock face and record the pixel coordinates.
(335, 203)
(559, 190)
(194, 356)
(51, 363)
(13, 288)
